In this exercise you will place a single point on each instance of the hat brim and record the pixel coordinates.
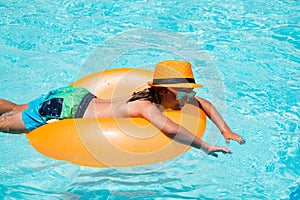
(178, 85)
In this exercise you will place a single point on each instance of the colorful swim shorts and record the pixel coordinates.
(62, 103)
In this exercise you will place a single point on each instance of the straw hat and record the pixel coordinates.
(174, 73)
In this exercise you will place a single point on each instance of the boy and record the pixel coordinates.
(172, 88)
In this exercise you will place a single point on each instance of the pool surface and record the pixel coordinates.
(246, 53)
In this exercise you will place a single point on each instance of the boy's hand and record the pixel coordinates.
(230, 135)
(216, 149)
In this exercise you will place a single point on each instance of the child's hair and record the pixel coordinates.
(150, 94)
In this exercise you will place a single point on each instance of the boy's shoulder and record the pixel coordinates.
(139, 108)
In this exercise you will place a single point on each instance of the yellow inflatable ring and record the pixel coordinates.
(114, 142)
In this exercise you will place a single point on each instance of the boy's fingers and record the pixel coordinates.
(240, 140)
(227, 140)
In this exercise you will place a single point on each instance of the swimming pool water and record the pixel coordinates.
(245, 52)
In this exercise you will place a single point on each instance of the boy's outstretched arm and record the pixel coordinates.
(177, 132)
(218, 120)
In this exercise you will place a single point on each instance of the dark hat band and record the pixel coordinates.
(173, 80)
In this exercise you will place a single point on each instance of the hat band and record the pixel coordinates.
(173, 80)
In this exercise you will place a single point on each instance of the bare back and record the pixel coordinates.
(113, 108)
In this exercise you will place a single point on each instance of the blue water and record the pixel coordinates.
(246, 53)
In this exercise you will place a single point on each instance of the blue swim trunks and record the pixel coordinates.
(62, 103)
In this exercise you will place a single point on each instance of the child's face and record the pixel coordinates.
(178, 97)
